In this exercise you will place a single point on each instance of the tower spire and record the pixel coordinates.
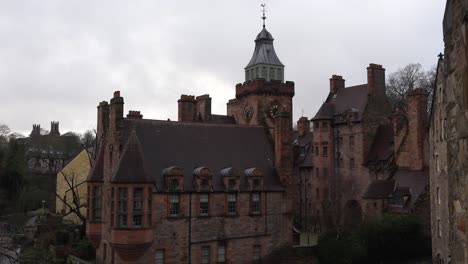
(263, 17)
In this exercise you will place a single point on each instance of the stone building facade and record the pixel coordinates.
(449, 140)
(205, 189)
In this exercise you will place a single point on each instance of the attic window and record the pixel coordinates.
(174, 185)
(256, 184)
(204, 184)
(231, 184)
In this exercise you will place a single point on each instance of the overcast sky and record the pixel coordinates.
(59, 59)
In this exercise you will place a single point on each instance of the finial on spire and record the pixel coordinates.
(263, 10)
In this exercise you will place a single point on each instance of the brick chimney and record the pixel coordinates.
(204, 107)
(283, 143)
(375, 80)
(303, 126)
(336, 82)
(187, 108)
(417, 117)
(103, 119)
(116, 115)
(134, 115)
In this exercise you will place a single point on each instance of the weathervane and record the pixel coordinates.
(263, 10)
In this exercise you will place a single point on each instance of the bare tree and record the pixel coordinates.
(77, 202)
(406, 79)
(88, 138)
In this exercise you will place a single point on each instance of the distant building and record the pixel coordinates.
(47, 152)
(449, 141)
(366, 160)
(206, 189)
(71, 180)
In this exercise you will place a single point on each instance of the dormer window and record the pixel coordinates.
(173, 179)
(230, 178)
(174, 185)
(202, 179)
(254, 178)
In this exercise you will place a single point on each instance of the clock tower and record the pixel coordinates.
(264, 93)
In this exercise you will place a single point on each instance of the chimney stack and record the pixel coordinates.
(134, 115)
(187, 108)
(116, 114)
(336, 82)
(375, 80)
(204, 107)
(103, 119)
(417, 116)
(303, 126)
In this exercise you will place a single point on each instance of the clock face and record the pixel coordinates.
(273, 110)
(248, 112)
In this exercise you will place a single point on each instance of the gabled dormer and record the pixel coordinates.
(254, 178)
(231, 179)
(203, 179)
(173, 179)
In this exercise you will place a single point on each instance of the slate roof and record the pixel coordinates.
(379, 189)
(222, 119)
(264, 52)
(354, 97)
(381, 146)
(132, 166)
(191, 145)
(415, 180)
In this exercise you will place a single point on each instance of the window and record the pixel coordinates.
(174, 185)
(231, 184)
(221, 253)
(204, 204)
(112, 207)
(351, 163)
(438, 195)
(232, 203)
(255, 203)
(122, 207)
(256, 184)
(316, 125)
(104, 251)
(325, 125)
(137, 206)
(204, 184)
(97, 203)
(317, 193)
(205, 255)
(325, 151)
(439, 231)
(256, 254)
(150, 206)
(159, 256)
(351, 141)
(325, 172)
(174, 205)
(316, 151)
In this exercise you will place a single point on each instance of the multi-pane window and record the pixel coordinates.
(231, 184)
(256, 184)
(174, 204)
(204, 204)
(150, 206)
(351, 163)
(205, 255)
(232, 203)
(204, 184)
(256, 257)
(255, 203)
(159, 256)
(221, 253)
(97, 203)
(351, 141)
(325, 151)
(174, 185)
(123, 206)
(137, 207)
(325, 125)
(316, 151)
